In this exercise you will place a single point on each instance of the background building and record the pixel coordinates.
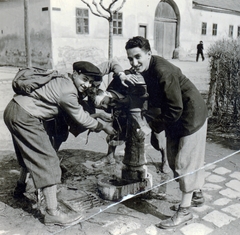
(65, 31)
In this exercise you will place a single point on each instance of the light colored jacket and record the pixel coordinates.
(60, 94)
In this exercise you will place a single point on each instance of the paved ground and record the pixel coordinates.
(137, 216)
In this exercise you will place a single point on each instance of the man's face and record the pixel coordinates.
(102, 101)
(105, 102)
(82, 81)
(93, 89)
(139, 59)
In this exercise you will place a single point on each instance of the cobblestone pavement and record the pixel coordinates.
(220, 214)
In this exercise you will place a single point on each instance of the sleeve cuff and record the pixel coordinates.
(99, 127)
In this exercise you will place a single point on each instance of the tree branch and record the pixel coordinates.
(101, 4)
(95, 4)
(110, 5)
(119, 8)
(94, 13)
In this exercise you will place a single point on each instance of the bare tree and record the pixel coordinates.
(98, 9)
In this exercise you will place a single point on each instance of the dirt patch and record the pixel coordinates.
(78, 190)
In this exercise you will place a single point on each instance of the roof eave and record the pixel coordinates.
(214, 9)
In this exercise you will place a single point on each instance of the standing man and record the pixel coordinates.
(200, 51)
(25, 117)
(183, 117)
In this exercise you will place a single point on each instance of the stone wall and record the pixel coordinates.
(12, 50)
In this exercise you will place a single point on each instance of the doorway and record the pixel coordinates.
(166, 28)
(142, 30)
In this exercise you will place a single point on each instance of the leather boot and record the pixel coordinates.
(197, 199)
(58, 217)
(181, 217)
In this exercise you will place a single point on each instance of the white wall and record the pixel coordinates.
(60, 37)
(191, 28)
(66, 40)
(221, 19)
(12, 38)
(11, 12)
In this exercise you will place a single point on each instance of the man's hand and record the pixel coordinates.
(130, 78)
(109, 129)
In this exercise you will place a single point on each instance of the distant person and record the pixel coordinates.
(200, 51)
(183, 117)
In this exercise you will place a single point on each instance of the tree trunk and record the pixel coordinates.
(110, 42)
(27, 33)
(110, 46)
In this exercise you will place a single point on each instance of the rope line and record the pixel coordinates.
(129, 196)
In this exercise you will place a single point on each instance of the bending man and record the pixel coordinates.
(183, 117)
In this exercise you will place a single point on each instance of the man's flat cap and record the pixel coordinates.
(87, 68)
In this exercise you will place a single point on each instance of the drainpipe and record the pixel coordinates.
(27, 33)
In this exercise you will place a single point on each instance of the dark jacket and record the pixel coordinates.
(200, 47)
(183, 110)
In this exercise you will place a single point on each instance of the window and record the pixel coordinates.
(230, 33)
(82, 21)
(142, 31)
(204, 28)
(214, 29)
(117, 23)
(238, 32)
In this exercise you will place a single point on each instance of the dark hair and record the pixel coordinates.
(138, 41)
